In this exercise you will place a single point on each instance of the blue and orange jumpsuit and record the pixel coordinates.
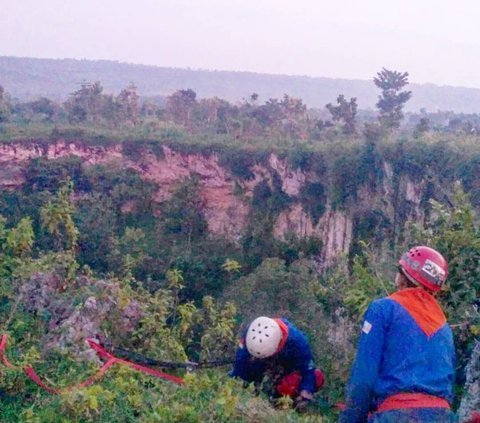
(293, 360)
(405, 362)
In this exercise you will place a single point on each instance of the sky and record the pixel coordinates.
(435, 41)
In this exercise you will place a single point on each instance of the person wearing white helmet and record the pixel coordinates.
(277, 347)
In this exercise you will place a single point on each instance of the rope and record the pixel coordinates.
(103, 353)
(189, 365)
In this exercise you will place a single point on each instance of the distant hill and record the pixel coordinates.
(28, 78)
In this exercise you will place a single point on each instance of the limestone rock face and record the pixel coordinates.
(295, 220)
(21, 152)
(227, 211)
(292, 180)
(334, 230)
(336, 236)
(70, 323)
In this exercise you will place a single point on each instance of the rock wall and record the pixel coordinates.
(471, 398)
(69, 325)
(225, 211)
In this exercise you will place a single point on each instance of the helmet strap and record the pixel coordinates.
(412, 282)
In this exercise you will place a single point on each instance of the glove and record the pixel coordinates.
(300, 404)
(302, 401)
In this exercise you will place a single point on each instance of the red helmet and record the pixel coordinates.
(425, 266)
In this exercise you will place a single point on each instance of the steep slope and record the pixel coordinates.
(227, 198)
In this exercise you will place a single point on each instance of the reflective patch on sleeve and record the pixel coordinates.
(367, 327)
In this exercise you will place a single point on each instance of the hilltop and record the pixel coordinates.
(29, 78)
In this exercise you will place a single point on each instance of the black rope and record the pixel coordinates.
(188, 365)
(215, 363)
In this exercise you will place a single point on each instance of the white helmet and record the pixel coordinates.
(263, 337)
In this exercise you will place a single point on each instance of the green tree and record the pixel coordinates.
(45, 107)
(219, 115)
(392, 100)
(269, 113)
(421, 127)
(19, 240)
(286, 117)
(5, 105)
(128, 105)
(128, 252)
(15, 251)
(87, 104)
(180, 106)
(57, 217)
(183, 213)
(345, 111)
(231, 266)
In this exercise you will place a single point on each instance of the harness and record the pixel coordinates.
(412, 400)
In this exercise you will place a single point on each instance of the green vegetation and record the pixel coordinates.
(345, 111)
(392, 100)
(171, 326)
(167, 327)
(85, 250)
(456, 232)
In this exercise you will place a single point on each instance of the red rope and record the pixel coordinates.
(3, 344)
(103, 353)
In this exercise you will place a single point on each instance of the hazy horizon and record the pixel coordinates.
(434, 41)
(230, 70)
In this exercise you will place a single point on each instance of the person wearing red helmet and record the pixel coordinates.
(404, 367)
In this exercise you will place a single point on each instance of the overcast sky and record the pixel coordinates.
(436, 41)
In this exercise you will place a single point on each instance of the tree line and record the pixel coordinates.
(287, 117)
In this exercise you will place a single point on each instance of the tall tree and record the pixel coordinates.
(128, 105)
(392, 100)
(218, 115)
(57, 217)
(44, 107)
(180, 106)
(86, 104)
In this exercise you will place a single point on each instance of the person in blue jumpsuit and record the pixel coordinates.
(404, 367)
(276, 347)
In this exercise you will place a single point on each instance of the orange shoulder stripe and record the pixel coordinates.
(423, 308)
(284, 329)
